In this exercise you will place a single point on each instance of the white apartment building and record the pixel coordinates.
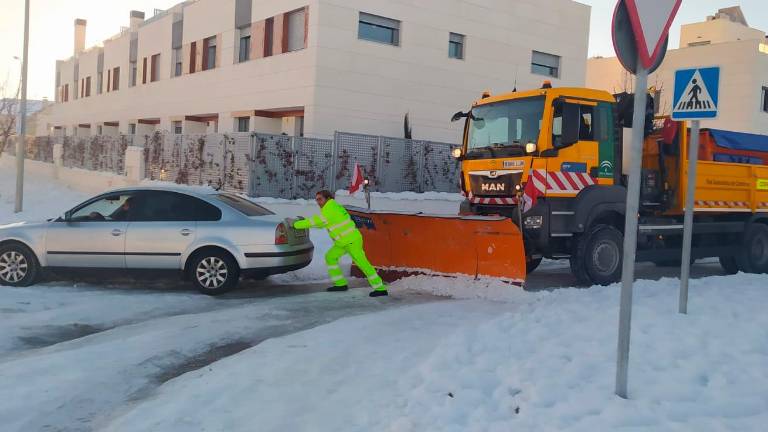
(313, 67)
(723, 40)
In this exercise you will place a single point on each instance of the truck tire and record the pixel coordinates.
(753, 256)
(532, 264)
(597, 258)
(729, 264)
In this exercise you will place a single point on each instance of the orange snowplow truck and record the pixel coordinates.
(551, 161)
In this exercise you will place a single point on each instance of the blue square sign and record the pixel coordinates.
(697, 93)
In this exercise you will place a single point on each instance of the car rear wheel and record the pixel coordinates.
(18, 265)
(214, 272)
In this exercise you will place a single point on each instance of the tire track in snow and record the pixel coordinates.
(73, 386)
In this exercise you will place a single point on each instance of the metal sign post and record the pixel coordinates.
(21, 143)
(630, 231)
(696, 96)
(685, 264)
(640, 33)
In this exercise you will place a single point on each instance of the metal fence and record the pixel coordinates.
(277, 166)
(96, 153)
(37, 148)
(216, 160)
(296, 167)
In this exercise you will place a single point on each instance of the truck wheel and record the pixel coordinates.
(532, 264)
(597, 258)
(729, 265)
(753, 257)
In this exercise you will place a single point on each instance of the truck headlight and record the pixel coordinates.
(456, 153)
(530, 147)
(533, 222)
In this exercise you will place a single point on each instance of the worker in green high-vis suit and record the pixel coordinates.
(346, 240)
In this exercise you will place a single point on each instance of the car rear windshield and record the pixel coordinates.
(243, 205)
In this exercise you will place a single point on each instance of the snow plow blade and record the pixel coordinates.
(401, 244)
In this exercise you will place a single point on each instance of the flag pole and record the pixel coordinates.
(367, 193)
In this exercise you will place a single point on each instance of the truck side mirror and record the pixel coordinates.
(571, 124)
(458, 116)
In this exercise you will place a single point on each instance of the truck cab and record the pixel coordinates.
(565, 134)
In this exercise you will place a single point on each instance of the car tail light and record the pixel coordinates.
(281, 234)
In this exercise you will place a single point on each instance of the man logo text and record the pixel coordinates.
(492, 187)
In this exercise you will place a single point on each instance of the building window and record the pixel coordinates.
(177, 62)
(765, 99)
(177, 127)
(269, 36)
(131, 128)
(209, 53)
(244, 45)
(192, 57)
(243, 124)
(456, 46)
(134, 73)
(116, 79)
(88, 87)
(155, 72)
(545, 64)
(379, 29)
(100, 83)
(66, 92)
(144, 70)
(296, 29)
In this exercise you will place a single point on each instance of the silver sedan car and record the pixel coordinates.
(212, 238)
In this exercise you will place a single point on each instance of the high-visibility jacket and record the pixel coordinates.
(336, 220)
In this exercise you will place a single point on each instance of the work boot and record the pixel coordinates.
(337, 288)
(378, 293)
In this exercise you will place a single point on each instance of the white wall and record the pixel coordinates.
(344, 83)
(368, 87)
(717, 31)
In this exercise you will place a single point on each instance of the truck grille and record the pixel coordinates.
(503, 185)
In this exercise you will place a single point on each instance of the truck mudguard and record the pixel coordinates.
(594, 200)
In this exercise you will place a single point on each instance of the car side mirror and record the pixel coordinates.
(458, 116)
(67, 216)
(571, 124)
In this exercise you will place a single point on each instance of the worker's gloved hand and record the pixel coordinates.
(293, 222)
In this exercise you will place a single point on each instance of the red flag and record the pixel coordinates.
(531, 193)
(357, 180)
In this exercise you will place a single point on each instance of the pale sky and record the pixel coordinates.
(51, 29)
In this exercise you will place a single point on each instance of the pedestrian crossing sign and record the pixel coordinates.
(696, 93)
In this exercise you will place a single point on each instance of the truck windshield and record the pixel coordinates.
(508, 124)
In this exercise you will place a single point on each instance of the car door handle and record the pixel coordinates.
(117, 232)
(185, 232)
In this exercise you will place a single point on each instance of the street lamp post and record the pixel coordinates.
(21, 141)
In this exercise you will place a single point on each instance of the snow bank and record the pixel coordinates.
(543, 363)
(461, 287)
(44, 198)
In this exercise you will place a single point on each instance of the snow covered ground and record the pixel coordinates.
(281, 355)
(541, 361)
